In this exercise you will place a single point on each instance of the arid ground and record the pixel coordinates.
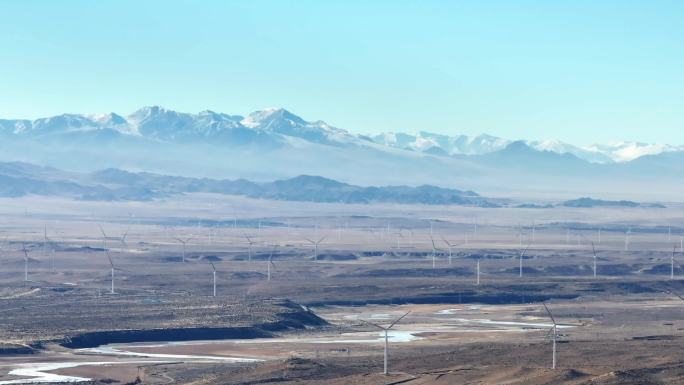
(286, 311)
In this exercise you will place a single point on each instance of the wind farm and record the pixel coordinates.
(288, 300)
(341, 192)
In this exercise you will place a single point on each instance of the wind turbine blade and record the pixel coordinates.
(372, 324)
(212, 265)
(593, 248)
(110, 259)
(676, 294)
(549, 312)
(548, 333)
(525, 251)
(102, 231)
(397, 320)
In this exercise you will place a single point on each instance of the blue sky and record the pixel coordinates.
(579, 71)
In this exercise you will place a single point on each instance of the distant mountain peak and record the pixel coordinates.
(272, 118)
(274, 127)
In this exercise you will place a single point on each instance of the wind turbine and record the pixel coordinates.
(554, 335)
(3, 244)
(434, 253)
(104, 240)
(594, 250)
(386, 329)
(214, 276)
(315, 245)
(45, 241)
(184, 242)
(122, 240)
(250, 242)
(399, 237)
(627, 234)
(672, 261)
(450, 246)
(111, 263)
(26, 261)
(522, 255)
(51, 253)
(270, 262)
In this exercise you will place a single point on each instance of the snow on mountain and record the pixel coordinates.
(565, 148)
(428, 142)
(277, 127)
(628, 151)
(281, 121)
(451, 145)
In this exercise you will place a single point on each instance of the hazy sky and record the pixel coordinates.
(580, 71)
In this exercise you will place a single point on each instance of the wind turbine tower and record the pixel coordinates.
(111, 263)
(554, 335)
(184, 242)
(522, 255)
(315, 245)
(386, 330)
(214, 276)
(594, 250)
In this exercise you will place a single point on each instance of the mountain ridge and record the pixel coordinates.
(158, 123)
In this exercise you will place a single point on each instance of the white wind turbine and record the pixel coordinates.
(45, 241)
(554, 335)
(104, 240)
(450, 246)
(122, 240)
(183, 242)
(26, 261)
(270, 262)
(672, 262)
(386, 330)
(3, 244)
(594, 250)
(627, 234)
(111, 264)
(522, 255)
(399, 237)
(250, 243)
(434, 253)
(315, 245)
(214, 276)
(51, 254)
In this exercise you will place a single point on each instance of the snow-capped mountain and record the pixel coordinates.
(628, 151)
(275, 144)
(281, 121)
(277, 126)
(432, 143)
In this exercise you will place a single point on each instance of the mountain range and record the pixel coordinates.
(274, 143)
(23, 179)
